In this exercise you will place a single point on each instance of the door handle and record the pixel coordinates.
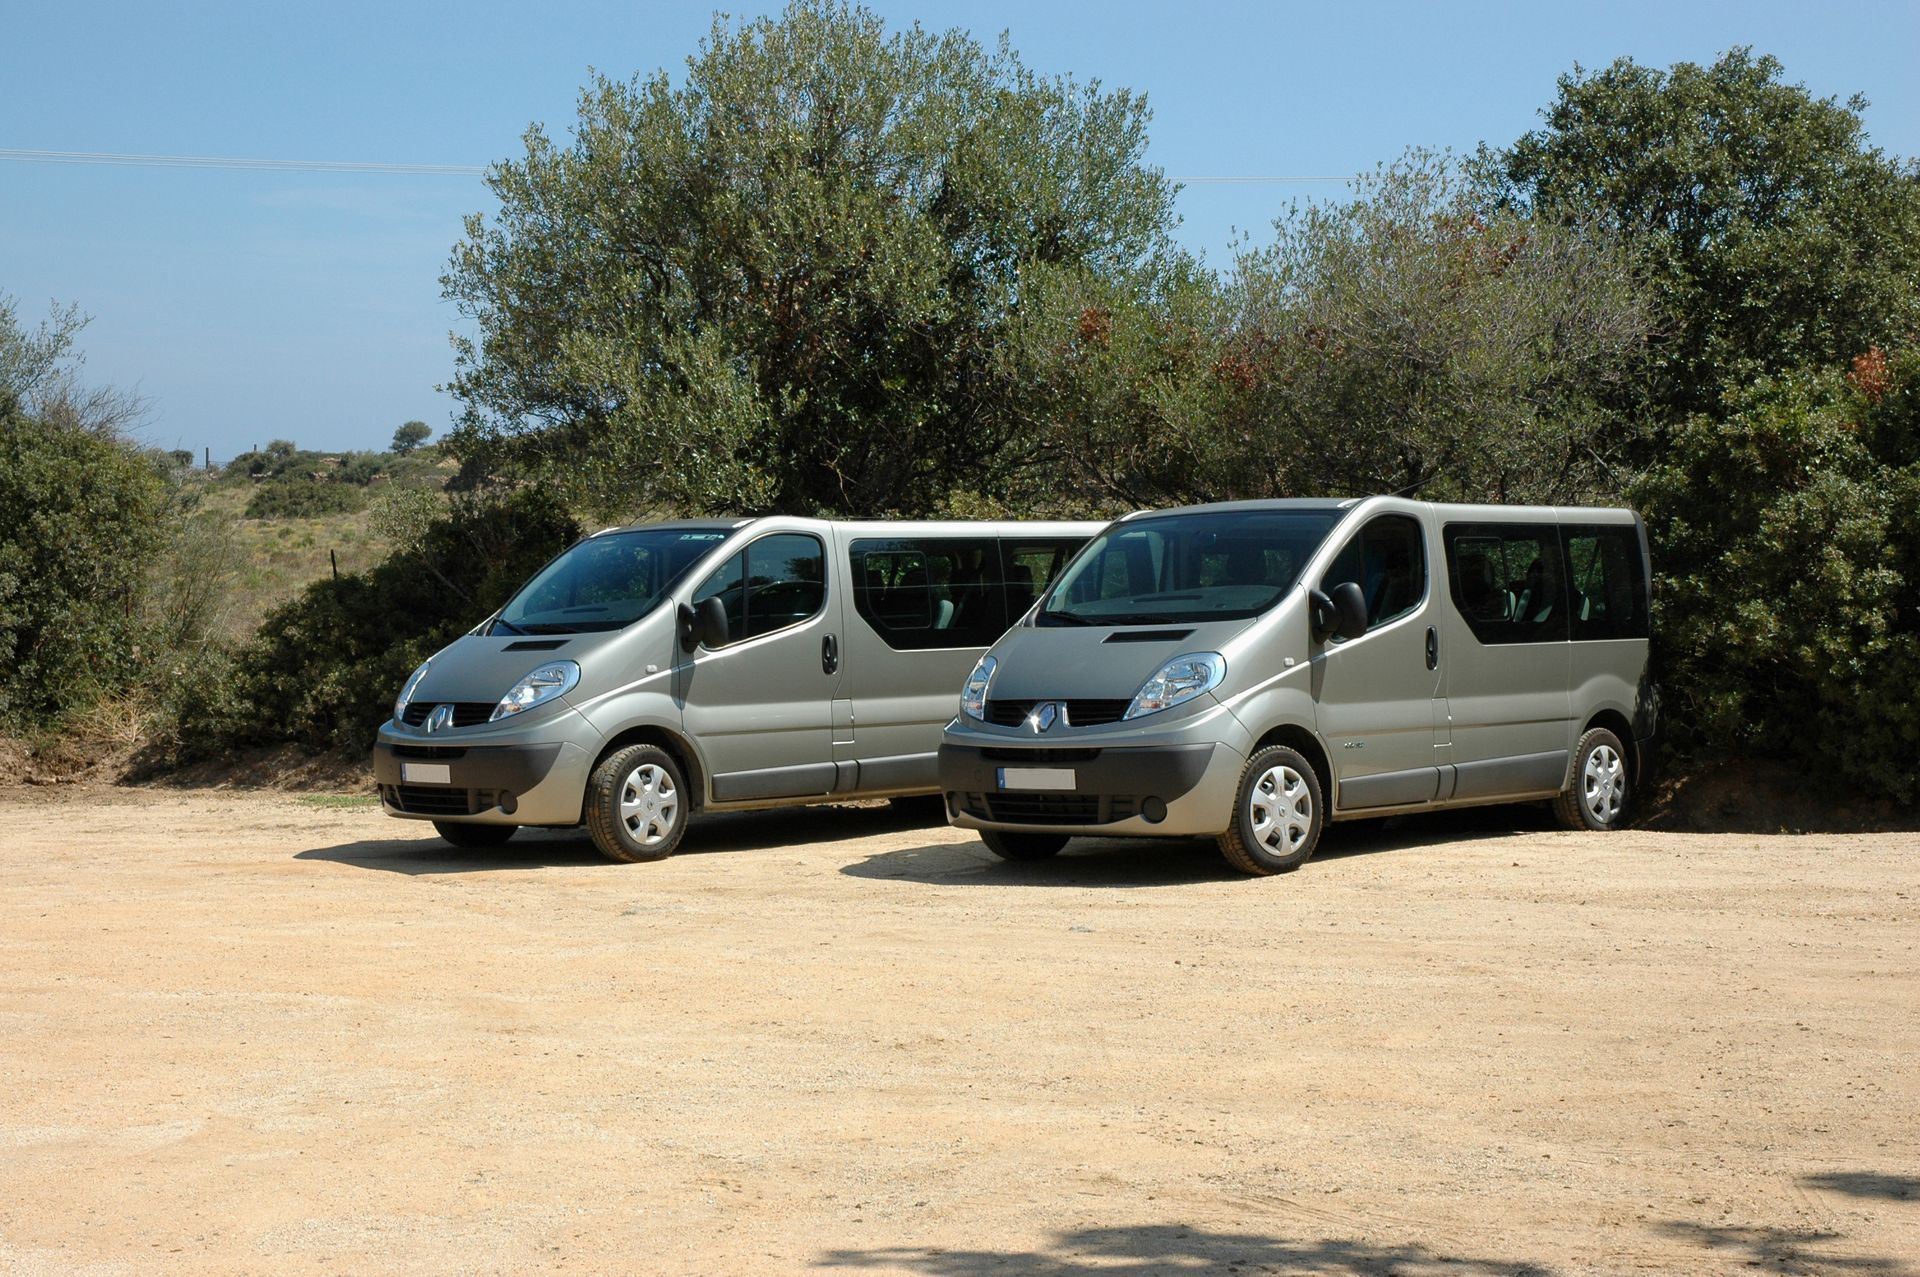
(829, 654)
(1433, 648)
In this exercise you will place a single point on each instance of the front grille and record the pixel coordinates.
(1051, 809)
(441, 800)
(1080, 713)
(1039, 757)
(465, 713)
(429, 751)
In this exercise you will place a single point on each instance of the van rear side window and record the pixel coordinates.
(1508, 581)
(1608, 579)
(935, 592)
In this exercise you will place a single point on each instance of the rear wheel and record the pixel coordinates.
(637, 805)
(473, 835)
(1598, 797)
(1013, 846)
(1277, 814)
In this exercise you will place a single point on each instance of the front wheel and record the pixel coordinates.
(1597, 798)
(1277, 814)
(1014, 846)
(637, 805)
(461, 835)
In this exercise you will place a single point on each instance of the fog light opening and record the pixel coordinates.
(1153, 810)
(508, 803)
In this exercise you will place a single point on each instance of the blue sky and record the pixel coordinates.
(247, 306)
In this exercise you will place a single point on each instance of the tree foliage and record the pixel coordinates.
(1401, 340)
(79, 525)
(1775, 237)
(1788, 608)
(781, 283)
(410, 435)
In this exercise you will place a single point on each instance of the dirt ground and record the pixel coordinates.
(263, 1034)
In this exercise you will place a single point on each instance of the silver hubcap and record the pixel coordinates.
(648, 804)
(1282, 810)
(1603, 784)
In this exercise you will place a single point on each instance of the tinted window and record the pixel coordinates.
(1388, 560)
(1609, 583)
(1187, 567)
(942, 592)
(775, 582)
(1507, 581)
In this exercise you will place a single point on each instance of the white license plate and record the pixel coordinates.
(426, 773)
(1052, 778)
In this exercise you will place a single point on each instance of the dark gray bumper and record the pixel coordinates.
(1109, 785)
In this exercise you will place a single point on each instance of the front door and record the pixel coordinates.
(759, 707)
(1374, 695)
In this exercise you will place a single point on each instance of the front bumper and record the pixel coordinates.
(530, 783)
(1174, 790)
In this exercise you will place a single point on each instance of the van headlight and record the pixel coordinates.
(1179, 680)
(973, 697)
(412, 685)
(555, 678)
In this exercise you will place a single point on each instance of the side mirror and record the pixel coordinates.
(1320, 617)
(687, 625)
(712, 615)
(1349, 610)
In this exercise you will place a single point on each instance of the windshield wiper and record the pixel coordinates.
(501, 623)
(1063, 618)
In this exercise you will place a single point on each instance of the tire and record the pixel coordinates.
(1278, 813)
(637, 804)
(1013, 846)
(1598, 796)
(462, 835)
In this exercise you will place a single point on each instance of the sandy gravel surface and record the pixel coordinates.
(250, 1034)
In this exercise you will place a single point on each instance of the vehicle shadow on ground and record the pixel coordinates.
(1164, 862)
(1174, 1248)
(1782, 1251)
(1894, 1188)
(551, 848)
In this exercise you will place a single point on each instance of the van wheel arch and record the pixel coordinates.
(675, 744)
(1615, 722)
(1307, 745)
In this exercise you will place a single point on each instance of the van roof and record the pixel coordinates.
(887, 527)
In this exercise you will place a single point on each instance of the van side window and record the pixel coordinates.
(775, 582)
(919, 593)
(1388, 560)
(1609, 582)
(933, 592)
(1508, 581)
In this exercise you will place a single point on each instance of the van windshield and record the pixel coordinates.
(1186, 568)
(607, 582)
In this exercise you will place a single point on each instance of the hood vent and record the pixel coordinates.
(1146, 636)
(536, 645)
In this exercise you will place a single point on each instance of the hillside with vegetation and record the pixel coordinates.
(927, 280)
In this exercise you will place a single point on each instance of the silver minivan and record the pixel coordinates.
(1249, 671)
(652, 671)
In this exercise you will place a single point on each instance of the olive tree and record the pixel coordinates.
(781, 283)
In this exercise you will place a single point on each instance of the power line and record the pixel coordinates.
(114, 158)
(233, 162)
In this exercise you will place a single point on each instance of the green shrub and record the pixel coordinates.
(1787, 587)
(322, 670)
(79, 524)
(303, 499)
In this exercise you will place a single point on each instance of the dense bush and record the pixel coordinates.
(323, 670)
(304, 498)
(1787, 554)
(79, 525)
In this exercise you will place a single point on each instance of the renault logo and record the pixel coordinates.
(1045, 715)
(440, 719)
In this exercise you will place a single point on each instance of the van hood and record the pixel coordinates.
(482, 667)
(1071, 662)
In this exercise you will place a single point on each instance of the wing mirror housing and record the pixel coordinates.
(712, 615)
(702, 622)
(1339, 613)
